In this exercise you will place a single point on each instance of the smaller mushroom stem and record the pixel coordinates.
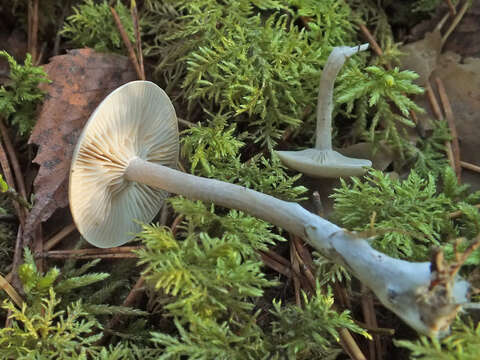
(334, 63)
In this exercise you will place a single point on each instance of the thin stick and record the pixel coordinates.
(277, 257)
(17, 257)
(350, 345)
(95, 251)
(126, 41)
(451, 8)
(132, 298)
(89, 256)
(39, 247)
(275, 265)
(455, 21)
(451, 124)
(376, 330)
(54, 240)
(7, 172)
(449, 151)
(34, 33)
(10, 290)
(175, 223)
(458, 213)
(371, 40)
(296, 268)
(305, 260)
(432, 99)
(186, 123)
(470, 166)
(13, 159)
(138, 40)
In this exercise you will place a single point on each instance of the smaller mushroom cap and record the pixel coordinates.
(323, 163)
(136, 120)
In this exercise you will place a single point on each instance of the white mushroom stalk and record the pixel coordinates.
(108, 170)
(322, 161)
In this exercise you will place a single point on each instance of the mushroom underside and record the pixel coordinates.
(323, 163)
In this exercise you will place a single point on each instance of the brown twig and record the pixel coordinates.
(7, 172)
(121, 252)
(138, 40)
(458, 213)
(275, 265)
(451, 8)
(186, 123)
(350, 346)
(32, 19)
(371, 40)
(38, 248)
(451, 124)
(369, 315)
(296, 269)
(470, 166)
(88, 256)
(438, 114)
(54, 240)
(376, 330)
(126, 41)
(132, 298)
(34, 31)
(12, 155)
(305, 260)
(175, 223)
(432, 99)
(10, 290)
(455, 21)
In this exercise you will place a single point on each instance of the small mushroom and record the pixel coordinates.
(123, 164)
(322, 161)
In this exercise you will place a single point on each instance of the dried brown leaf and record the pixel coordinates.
(80, 81)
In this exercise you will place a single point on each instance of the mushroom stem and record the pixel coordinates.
(288, 215)
(403, 287)
(335, 61)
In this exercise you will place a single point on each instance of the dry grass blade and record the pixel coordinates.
(458, 213)
(128, 44)
(136, 27)
(5, 285)
(447, 108)
(469, 166)
(54, 240)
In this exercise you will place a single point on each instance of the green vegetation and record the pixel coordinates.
(246, 73)
(409, 216)
(92, 25)
(20, 97)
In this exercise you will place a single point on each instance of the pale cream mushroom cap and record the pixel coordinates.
(323, 163)
(135, 120)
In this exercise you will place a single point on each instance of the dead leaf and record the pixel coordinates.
(462, 84)
(421, 56)
(381, 158)
(80, 80)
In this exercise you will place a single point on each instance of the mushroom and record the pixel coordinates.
(125, 159)
(322, 161)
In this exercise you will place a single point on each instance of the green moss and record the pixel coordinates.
(92, 25)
